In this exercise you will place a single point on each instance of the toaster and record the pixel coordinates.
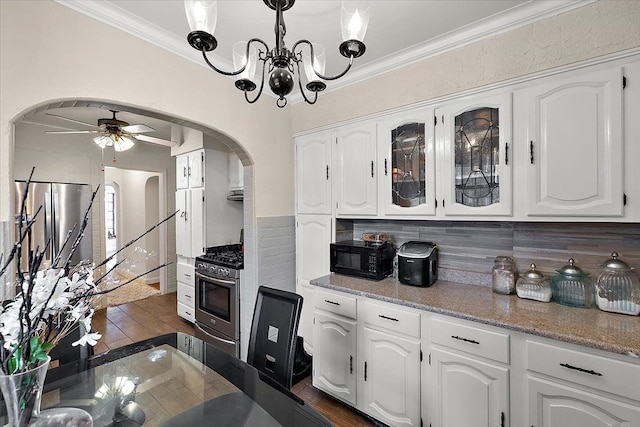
(418, 263)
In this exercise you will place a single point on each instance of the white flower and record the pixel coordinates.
(90, 338)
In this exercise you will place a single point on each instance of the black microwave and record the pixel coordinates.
(362, 259)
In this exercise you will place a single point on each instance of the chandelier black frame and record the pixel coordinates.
(281, 62)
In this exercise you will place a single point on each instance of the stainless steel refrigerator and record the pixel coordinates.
(63, 205)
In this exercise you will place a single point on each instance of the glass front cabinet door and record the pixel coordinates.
(407, 156)
(476, 159)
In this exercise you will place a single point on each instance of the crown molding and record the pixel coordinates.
(509, 20)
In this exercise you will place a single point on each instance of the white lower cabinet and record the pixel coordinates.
(552, 404)
(186, 291)
(469, 392)
(369, 354)
(468, 384)
(390, 379)
(334, 367)
(573, 386)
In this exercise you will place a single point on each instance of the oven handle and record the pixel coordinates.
(215, 281)
(213, 336)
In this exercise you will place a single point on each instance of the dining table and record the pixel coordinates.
(174, 380)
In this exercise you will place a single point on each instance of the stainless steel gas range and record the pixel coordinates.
(218, 297)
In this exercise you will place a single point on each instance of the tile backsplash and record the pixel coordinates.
(467, 249)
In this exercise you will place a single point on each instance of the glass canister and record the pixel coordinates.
(503, 275)
(618, 287)
(534, 285)
(571, 286)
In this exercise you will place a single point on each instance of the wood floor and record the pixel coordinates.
(156, 315)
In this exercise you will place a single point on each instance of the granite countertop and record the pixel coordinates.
(591, 327)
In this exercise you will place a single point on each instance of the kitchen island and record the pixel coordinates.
(591, 327)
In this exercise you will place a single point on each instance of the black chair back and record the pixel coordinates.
(274, 331)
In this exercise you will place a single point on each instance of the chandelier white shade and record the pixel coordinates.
(279, 65)
(118, 142)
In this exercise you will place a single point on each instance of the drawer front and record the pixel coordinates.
(393, 318)
(186, 273)
(186, 295)
(344, 305)
(186, 312)
(601, 373)
(480, 342)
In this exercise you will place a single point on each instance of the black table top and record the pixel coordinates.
(174, 380)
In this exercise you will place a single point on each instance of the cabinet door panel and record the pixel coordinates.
(197, 222)
(182, 171)
(469, 393)
(406, 149)
(476, 165)
(334, 368)
(390, 378)
(557, 405)
(196, 169)
(575, 162)
(356, 185)
(313, 236)
(183, 230)
(313, 174)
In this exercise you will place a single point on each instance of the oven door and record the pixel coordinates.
(217, 305)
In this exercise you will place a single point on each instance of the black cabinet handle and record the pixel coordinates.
(327, 172)
(501, 419)
(455, 337)
(371, 168)
(331, 302)
(506, 153)
(386, 172)
(184, 172)
(365, 371)
(387, 317)
(586, 371)
(351, 364)
(531, 150)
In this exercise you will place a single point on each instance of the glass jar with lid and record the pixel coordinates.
(534, 285)
(503, 275)
(618, 287)
(572, 286)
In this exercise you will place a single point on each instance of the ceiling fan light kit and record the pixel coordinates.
(282, 64)
(114, 133)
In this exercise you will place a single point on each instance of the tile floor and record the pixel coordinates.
(139, 320)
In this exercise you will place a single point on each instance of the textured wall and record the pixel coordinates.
(584, 33)
(467, 249)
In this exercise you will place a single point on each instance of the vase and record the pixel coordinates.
(22, 393)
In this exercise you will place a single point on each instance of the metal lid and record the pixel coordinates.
(571, 269)
(616, 264)
(533, 274)
(416, 249)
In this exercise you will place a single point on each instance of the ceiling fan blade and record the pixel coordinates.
(71, 131)
(71, 120)
(137, 128)
(165, 142)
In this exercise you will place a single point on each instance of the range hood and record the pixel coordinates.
(237, 195)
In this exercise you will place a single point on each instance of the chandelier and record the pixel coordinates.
(282, 64)
(116, 140)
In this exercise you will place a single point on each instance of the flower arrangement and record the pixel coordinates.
(50, 302)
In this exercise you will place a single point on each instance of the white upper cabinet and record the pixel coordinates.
(406, 153)
(236, 172)
(474, 138)
(190, 170)
(313, 174)
(355, 170)
(574, 146)
(190, 223)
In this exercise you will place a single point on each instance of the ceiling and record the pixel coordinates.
(399, 32)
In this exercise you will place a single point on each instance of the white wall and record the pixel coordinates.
(590, 31)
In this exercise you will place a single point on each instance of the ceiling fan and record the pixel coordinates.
(112, 132)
